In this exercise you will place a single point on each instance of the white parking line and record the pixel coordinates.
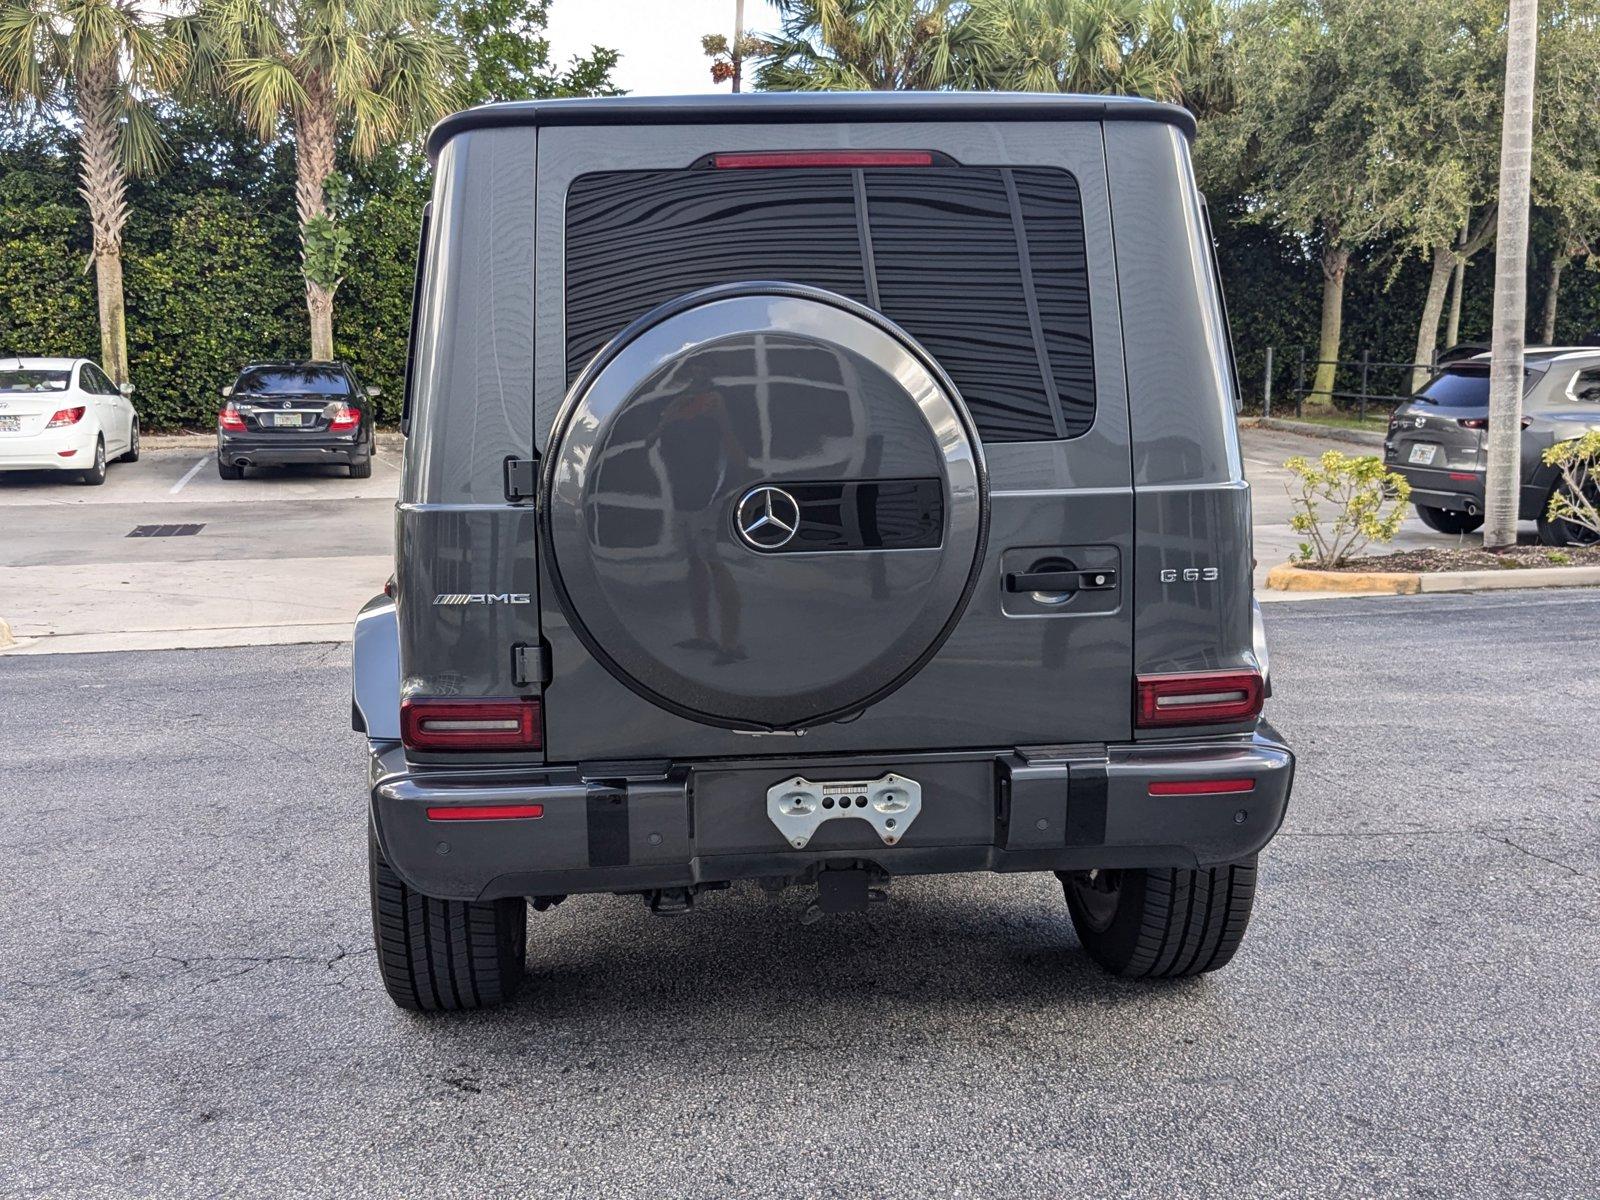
(192, 472)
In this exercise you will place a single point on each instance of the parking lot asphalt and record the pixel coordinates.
(284, 555)
(191, 1006)
(289, 555)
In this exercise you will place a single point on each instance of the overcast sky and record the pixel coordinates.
(659, 39)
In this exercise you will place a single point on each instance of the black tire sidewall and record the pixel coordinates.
(1114, 946)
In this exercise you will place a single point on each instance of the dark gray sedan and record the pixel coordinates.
(1437, 438)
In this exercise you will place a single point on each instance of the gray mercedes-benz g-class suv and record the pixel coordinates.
(812, 490)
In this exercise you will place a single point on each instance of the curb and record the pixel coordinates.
(1359, 437)
(1286, 577)
(5, 635)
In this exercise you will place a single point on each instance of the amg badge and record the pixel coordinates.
(482, 598)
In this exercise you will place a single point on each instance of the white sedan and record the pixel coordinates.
(64, 414)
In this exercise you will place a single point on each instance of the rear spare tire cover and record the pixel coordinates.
(764, 506)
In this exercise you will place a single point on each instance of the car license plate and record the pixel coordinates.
(11, 424)
(282, 419)
(1422, 453)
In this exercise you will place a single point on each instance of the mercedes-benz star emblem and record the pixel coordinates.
(767, 517)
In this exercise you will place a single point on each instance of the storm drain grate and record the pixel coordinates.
(165, 530)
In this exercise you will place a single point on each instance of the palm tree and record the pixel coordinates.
(876, 45)
(98, 61)
(1504, 476)
(380, 68)
(1159, 49)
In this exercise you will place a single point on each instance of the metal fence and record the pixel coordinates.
(1358, 384)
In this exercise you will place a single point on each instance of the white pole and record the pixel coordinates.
(1511, 281)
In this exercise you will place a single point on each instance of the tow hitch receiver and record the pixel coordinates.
(797, 806)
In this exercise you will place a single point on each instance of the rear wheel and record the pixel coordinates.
(443, 955)
(1446, 521)
(1161, 924)
(1565, 533)
(229, 470)
(361, 468)
(96, 475)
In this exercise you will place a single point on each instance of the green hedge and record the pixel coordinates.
(212, 275)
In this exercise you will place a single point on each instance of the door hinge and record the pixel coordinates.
(530, 665)
(522, 478)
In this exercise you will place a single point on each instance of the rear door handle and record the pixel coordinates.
(1062, 581)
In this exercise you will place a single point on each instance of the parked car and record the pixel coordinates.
(64, 414)
(1438, 439)
(815, 490)
(295, 412)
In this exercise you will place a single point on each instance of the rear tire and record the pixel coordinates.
(96, 475)
(443, 955)
(229, 471)
(1563, 533)
(1162, 924)
(1443, 520)
(361, 469)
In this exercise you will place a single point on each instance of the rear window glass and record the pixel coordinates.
(1465, 387)
(317, 381)
(34, 381)
(984, 266)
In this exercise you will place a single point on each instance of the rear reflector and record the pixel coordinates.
(1202, 787)
(487, 812)
(1463, 476)
(826, 158)
(470, 724)
(1199, 698)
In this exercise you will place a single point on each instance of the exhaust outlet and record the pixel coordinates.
(241, 462)
(1472, 509)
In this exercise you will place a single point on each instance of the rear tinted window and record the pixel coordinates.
(984, 266)
(320, 381)
(1466, 387)
(34, 381)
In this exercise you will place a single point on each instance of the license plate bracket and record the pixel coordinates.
(1422, 454)
(798, 806)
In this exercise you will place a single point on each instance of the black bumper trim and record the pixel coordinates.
(982, 811)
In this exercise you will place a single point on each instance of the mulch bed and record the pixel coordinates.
(1476, 560)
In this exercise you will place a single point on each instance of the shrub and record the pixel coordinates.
(1367, 504)
(1576, 500)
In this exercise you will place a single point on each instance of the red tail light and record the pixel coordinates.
(1199, 698)
(343, 419)
(65, 416)
(230, 419)
(470, 724)
(1201, 787)
(1483, 422)
(486, 812)
(825, 158)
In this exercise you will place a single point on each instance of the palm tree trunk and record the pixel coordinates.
(1335, 263)
(1503, 483)
(1552, 290)
(1444, 261)
(315, 128)
(1458, 280)
(104, 188)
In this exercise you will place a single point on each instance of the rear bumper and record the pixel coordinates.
(282, 449)
(44, 451)
(1454, 491)
(678, 825)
